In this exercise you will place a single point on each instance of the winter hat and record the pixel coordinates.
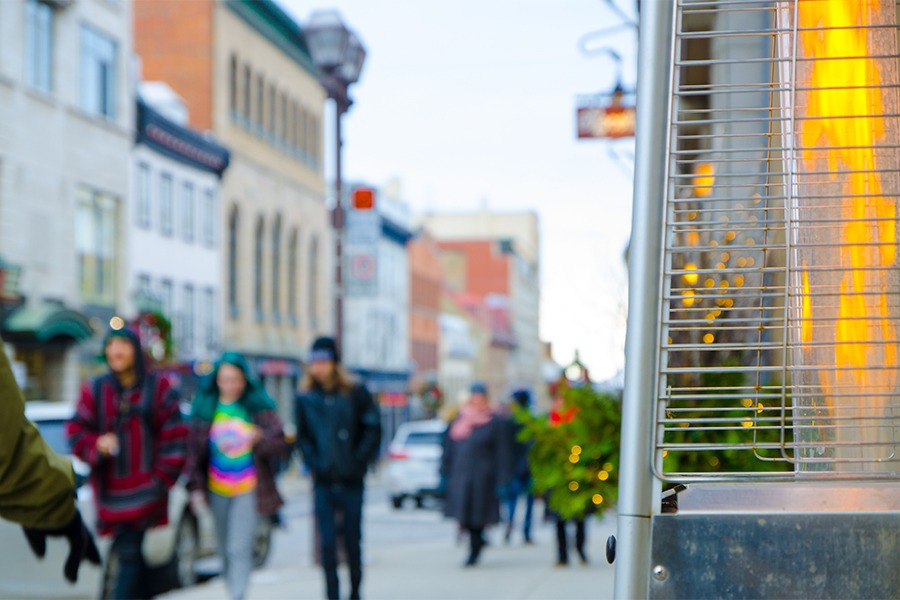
(522, 398)
(478, 388)
(324, 348)
(130, 335)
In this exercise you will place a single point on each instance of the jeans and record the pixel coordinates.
(562, 542)
(518, 486)
(131, 580)
(236, 522)
(331, 499)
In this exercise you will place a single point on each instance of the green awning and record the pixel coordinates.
(44, 322)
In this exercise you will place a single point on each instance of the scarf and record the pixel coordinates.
(469, 418)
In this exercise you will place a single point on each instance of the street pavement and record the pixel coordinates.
(415, 554)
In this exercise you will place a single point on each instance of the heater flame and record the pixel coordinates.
(844, 119)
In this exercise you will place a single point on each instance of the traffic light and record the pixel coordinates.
(363, 198)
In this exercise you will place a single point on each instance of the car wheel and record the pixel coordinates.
(262, 542)
(397, 501)
(186, 551)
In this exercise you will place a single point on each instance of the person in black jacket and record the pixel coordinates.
(338, 433)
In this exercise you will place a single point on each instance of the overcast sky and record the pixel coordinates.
(472, 103)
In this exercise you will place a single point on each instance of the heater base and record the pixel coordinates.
(765, 551)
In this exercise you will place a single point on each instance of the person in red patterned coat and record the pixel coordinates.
(128, 428)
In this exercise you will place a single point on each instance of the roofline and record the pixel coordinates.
(267, 18)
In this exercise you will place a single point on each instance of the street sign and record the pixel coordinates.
(362, 227)
(362, 272)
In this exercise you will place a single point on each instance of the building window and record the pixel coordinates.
(209, 318)
(292, 129)
(39, 45)
(276, 269)
(165, 297)
(314, 140)
(248, 83)
(96, 218)
(283, 131)
(233, 86)
(166, 206)
(187, 320)
(292, 276)
(187, 211)
(313, 286)
(143, 293)
(260, 87)
(232, 262)
(258, 269)
(209, 218)
(98, 73)
(272, 123)
(144, 205)
(301, 131)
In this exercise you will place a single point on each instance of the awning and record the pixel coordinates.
(44, 322)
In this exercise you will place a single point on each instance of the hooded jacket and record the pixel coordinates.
(262, 410)
(131, 488)
(37, 486)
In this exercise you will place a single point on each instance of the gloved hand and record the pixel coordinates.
(81, 544)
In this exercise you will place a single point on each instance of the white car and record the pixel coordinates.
(414, 461)
(170, 551)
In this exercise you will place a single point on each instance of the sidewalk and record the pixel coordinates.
(432, 568)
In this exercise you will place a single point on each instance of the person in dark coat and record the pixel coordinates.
(236, 437)
(521, 477)
(338, 433)
(476, 467)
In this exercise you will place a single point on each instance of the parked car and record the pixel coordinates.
(170, 551)
(414, 461)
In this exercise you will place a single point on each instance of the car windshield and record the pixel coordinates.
(424, 438)
(55, 434)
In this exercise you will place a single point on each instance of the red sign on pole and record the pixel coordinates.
(605, 122)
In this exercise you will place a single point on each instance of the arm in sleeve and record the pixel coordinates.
(272, 445)
(370, 422)
(171, 434)
(83, 429)
(197, 455)
(37, 486)
(447, 455)
(505, 447)
(304, 436)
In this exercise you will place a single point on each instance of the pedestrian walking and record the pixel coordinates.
(520, 484)
(37, 489)
(476, 467)
(236, 440)
(128, 428)
(338, 433)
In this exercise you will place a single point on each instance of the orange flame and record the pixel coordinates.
(806, 322)
(844, 120)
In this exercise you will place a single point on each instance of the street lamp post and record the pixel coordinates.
(339, 55)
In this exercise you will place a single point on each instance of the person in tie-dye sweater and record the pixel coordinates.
(236, 438)
(128, 427)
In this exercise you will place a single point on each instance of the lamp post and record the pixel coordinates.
(339, 55)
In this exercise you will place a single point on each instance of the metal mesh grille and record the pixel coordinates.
(781, 312)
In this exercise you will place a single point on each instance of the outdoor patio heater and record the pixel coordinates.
(764, 315)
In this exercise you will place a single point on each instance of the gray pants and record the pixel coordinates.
(236, 522)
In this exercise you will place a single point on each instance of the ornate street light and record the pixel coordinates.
(339, 55)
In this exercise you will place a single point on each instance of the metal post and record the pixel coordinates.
(340, 107)
(636, 480)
